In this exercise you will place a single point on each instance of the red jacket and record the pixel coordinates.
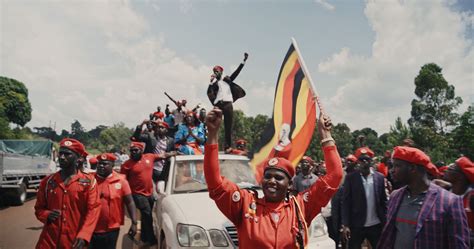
(79, 205)
(253, 216)
(111, 191)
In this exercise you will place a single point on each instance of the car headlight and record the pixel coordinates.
(190, 235)
(318, 227)
(218, 238)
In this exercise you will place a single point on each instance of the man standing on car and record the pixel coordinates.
(222, 92)
(67, 202)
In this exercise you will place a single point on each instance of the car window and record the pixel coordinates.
(188, 176)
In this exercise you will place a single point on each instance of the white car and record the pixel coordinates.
(184, 215)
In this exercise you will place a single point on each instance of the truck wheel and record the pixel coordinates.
(18, 195)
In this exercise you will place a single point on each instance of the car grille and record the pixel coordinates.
(232, 232)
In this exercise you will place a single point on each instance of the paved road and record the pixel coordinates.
(20, 229)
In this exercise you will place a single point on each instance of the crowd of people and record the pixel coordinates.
(400, 201)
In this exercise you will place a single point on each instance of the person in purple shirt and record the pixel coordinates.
(422, 214)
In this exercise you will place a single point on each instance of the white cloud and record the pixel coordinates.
(96, 62)
(185, 6)
(378, 88)
(325, 4)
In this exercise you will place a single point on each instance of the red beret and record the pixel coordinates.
(432, 170)
(308, 159)
(414, 156)
(364, 151)
(74, 145)
(138, 145)
(106, 157)
(190, 113)
(93, 160)
(218, 68)
(467, 167)
(443, 169)
(241, 141)
(351, 158)
(282, 164)
(162, 123)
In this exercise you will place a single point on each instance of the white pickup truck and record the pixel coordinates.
(184, 215)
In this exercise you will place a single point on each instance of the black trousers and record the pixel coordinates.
(358, 234)
(106, 240)
(228, 113)
(145, 205)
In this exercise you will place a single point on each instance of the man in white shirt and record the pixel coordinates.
(222, 92)
(364, 202)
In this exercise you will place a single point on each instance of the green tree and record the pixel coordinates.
(113, 138)
(463, 135)
(15, 106)
(436, 101)
(433, 113)
(398, 132)
(370, 139)
(342, 134)
(46, 132)
(78, 132)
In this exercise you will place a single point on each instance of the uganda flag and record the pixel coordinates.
(291, 127)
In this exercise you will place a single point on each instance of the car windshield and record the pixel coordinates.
(189, 175)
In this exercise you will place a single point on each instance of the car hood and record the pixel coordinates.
(199, 209)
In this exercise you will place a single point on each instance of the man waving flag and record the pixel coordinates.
(294, 115)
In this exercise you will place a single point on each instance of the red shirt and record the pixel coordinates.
(139, 174)
(255, 220)
(111, 192)
(79, 205)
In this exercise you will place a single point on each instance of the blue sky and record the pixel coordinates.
(109, 61)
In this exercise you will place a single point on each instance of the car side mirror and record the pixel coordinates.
(160, 187)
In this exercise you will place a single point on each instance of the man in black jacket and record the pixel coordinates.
(364, 202)
(222, 92)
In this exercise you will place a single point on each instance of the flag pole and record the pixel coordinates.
(306, 72)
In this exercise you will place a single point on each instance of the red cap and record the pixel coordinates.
(308, 159)
(414, 156)
(282, 164)
(190, 113)
(93, 160)
(138, 145)
(443, 169)
(218, 68)
(106, 157)
(74, 145)
(351, 158)
(163, 123)
(432, 170)
(364, 151)
(241, 141)
(467, 167)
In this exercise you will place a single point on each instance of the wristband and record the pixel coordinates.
(327, 140)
